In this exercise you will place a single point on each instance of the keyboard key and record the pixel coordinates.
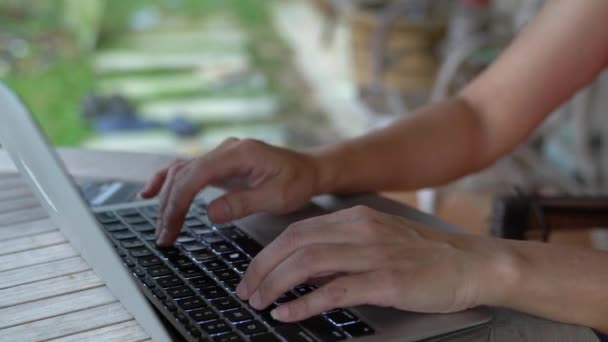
(148, 236)
(169, 252)
(158, 293)
(170, 281)
(234, 257)
(302, 290)
(140, 252)
(127, 212)
(191, 271)
(326, 331)
(232, 284)
(212, 238)
(193, 246)
(149, 282)
(114, 227)
(227, 274)
(203, 254)
(184, 237)
(105, 218)
(150, 260)
(203, 315)
(267, 317)
(358, 329)
(215, 327)
(180, 292)
(249, 246)
(191, 303)
(238, 315)
(128, 261)
(267, 337)
(214, 292)
(229, 337)
(131, 243)
(340, 317)
(234, 233)
(159, 271)
(222, 247)
(139, 272)
(192, 330)
(123, 234)
(241, 266)
(201, 282)
(252, 328)
(135, 219)
(201, 229)
(181, 261)
(170, 305)
(214, 265)
(224, 304)
(284, 298)
(144, 227)
(294, 333)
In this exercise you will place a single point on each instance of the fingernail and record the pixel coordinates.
(241, 290)
(255, 300)
(224, 210)
(281, 313)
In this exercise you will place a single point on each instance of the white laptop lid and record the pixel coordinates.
(39, 164)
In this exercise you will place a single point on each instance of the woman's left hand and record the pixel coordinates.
(376, 259)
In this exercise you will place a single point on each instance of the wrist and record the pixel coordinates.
(326, 169)
(501, 274)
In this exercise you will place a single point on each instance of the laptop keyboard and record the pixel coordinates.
(193, 283)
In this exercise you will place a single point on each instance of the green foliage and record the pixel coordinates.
(54, 96)
(54, 93)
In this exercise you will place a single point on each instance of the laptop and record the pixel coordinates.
(186, 292)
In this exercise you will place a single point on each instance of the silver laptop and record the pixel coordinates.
(187, 292)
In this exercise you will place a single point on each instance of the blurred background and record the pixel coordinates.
(179, 76)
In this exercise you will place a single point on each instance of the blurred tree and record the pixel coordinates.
(83, 19)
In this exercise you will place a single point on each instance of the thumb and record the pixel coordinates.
(238, 204)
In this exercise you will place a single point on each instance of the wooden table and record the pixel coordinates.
(48, 292)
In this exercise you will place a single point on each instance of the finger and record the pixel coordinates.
(154, 185)
(310, 262)
(298, 235)
(343, 292)
(176, 208)
(164, 196)
(238, 204)
(177, 198)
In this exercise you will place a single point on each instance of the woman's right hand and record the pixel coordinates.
(258, 178)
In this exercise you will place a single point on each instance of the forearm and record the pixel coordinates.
(434, 145)
(561, 283)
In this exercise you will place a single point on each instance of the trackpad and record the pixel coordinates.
(265, 227)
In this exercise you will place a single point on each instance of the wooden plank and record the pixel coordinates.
(15, 193)
(69, 324)
(26, 229)
(31, 242)
(48, 288)
(43, 271)
(54, 306)
(21, 216)
(11, 182)
(27, 202)
(127, 331)
(36, 256)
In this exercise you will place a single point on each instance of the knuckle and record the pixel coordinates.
(335, 293)
(307, 257)
(249, 145)
(391, 281)
(292, 235)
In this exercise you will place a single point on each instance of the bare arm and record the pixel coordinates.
(559, 53)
